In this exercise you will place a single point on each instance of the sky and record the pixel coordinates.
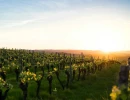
(65, 24)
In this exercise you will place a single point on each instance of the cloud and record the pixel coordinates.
(40, 17)
(17, 23)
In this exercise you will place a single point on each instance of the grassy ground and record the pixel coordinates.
(96, 87)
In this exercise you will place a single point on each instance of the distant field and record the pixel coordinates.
(121, 55)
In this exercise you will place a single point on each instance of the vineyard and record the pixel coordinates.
(30, 75)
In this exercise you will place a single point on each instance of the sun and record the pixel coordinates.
(109, 43)
(102, 38)
(108, 50)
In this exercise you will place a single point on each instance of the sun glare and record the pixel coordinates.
(109, 43)
(107, 50)
(106, 39)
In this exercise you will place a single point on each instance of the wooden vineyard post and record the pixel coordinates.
(35, 69)
(24, 88)
(17, 72)
(123, 80)
(68, 78)
(48, 67)
(49, 78)
(38, 86)
(79, 73)
(74, 71)
(70, 69)
(123, 76)
(84, 73)
(42, 68)
(57, 75)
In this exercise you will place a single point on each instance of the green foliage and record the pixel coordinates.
(96, 86)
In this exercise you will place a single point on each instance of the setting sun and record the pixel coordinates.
(102, 37)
